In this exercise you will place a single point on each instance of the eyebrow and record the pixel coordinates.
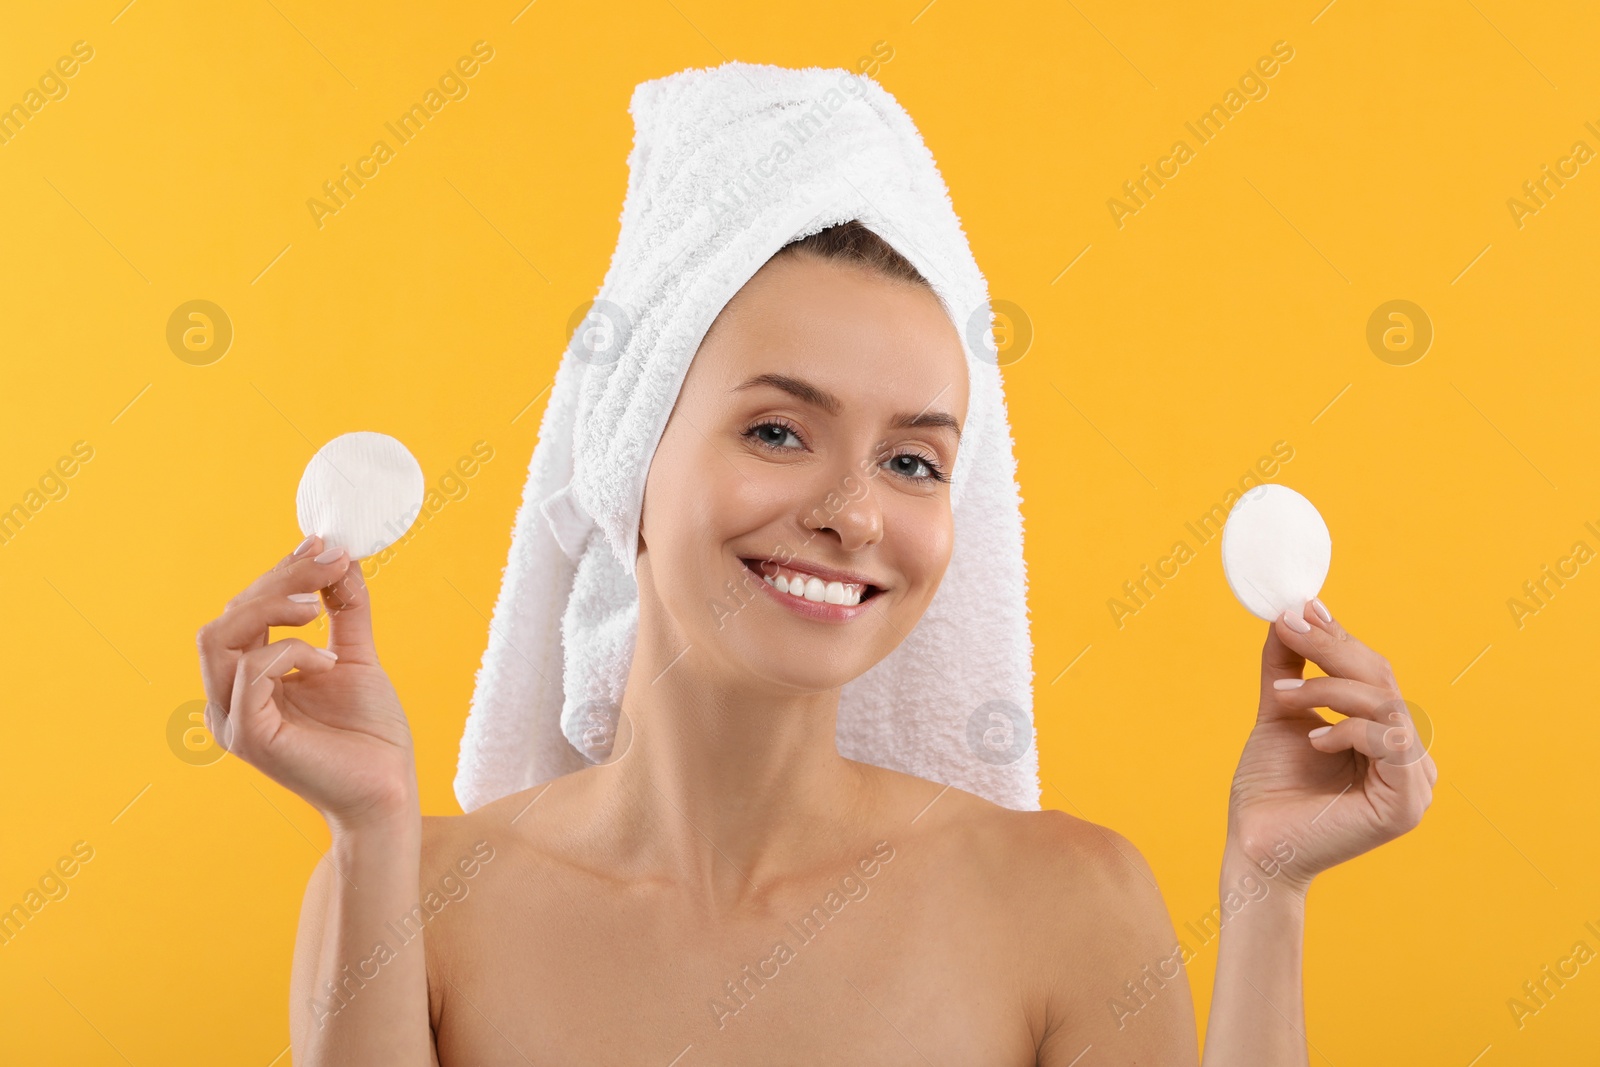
(808, 393)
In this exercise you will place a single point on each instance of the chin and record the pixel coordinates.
(790, 671)
(760, 633)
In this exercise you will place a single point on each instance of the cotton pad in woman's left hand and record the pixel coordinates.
(1275, 551)
(361, 492)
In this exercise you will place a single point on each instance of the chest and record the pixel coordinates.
(540, 968)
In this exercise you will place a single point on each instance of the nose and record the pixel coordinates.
(847, 504)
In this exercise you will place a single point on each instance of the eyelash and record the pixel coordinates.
(937, 475)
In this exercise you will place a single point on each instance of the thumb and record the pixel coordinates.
(349, 602)
(1278, 660)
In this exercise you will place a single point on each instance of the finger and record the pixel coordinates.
(252, 717)
(1391, 756)
(315, 568)
(216, 722)
(1327, 644)
(1395, 743)
(349, 603)
(1278, 661)
(243, 628)
(312, 545)
(235, 628)
(1344, 695)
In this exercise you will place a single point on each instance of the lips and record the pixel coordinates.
(766, 568)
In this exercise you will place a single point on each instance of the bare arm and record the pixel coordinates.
(1307, 795)
(328, 725)
(359, 990)
(1257, 1003)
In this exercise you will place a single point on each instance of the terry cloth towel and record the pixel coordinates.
(728, 165)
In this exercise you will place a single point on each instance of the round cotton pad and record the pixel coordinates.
(360, 492)
(1275, 551)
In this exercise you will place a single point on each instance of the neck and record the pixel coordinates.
(724, 785)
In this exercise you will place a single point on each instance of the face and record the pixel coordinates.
(814, 436)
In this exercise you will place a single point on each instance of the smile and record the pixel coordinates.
(812, 595)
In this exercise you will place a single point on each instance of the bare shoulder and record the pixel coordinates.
(448, 841)
(1046, 854)
(1102, 945)
(462, 858)
(1059, 851)
(501, 826)
(1088, 919)
(457, 851)
(1087, 893)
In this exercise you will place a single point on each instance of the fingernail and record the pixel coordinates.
(304, 598)
(1288, 683)
(1295, 623)
(331, 654)
(303, 546)
(1322, 612)
(329, 556)
(1319, 731)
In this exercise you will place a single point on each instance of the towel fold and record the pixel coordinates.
(728, 165)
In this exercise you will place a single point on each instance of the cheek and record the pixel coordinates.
(924, 537)
(727, 503)
(696, 501)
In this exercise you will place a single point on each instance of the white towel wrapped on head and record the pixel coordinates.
(729, 164)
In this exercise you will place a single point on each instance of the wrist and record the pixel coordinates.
(1246, 868)
(369, 852)
(396, 817)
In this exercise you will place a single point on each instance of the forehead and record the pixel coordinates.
(863, 336)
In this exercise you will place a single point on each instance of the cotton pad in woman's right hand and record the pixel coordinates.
(1275, 551)
(360, 492)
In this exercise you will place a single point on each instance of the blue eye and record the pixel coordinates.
(935, 471)
(753, 432)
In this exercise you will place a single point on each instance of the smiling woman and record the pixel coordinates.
(799, 479)
(794, 417)
(811, 442)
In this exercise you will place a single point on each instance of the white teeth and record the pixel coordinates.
(816, 590)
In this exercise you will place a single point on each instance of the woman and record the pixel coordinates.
(733, 890)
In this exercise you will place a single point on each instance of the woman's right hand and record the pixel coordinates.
(331, 730)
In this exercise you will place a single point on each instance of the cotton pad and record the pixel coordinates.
(360, 492)
(1275, 551)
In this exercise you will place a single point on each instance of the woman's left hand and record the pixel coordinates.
(1310, 803)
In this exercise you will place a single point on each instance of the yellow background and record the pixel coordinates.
(1229, 313)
